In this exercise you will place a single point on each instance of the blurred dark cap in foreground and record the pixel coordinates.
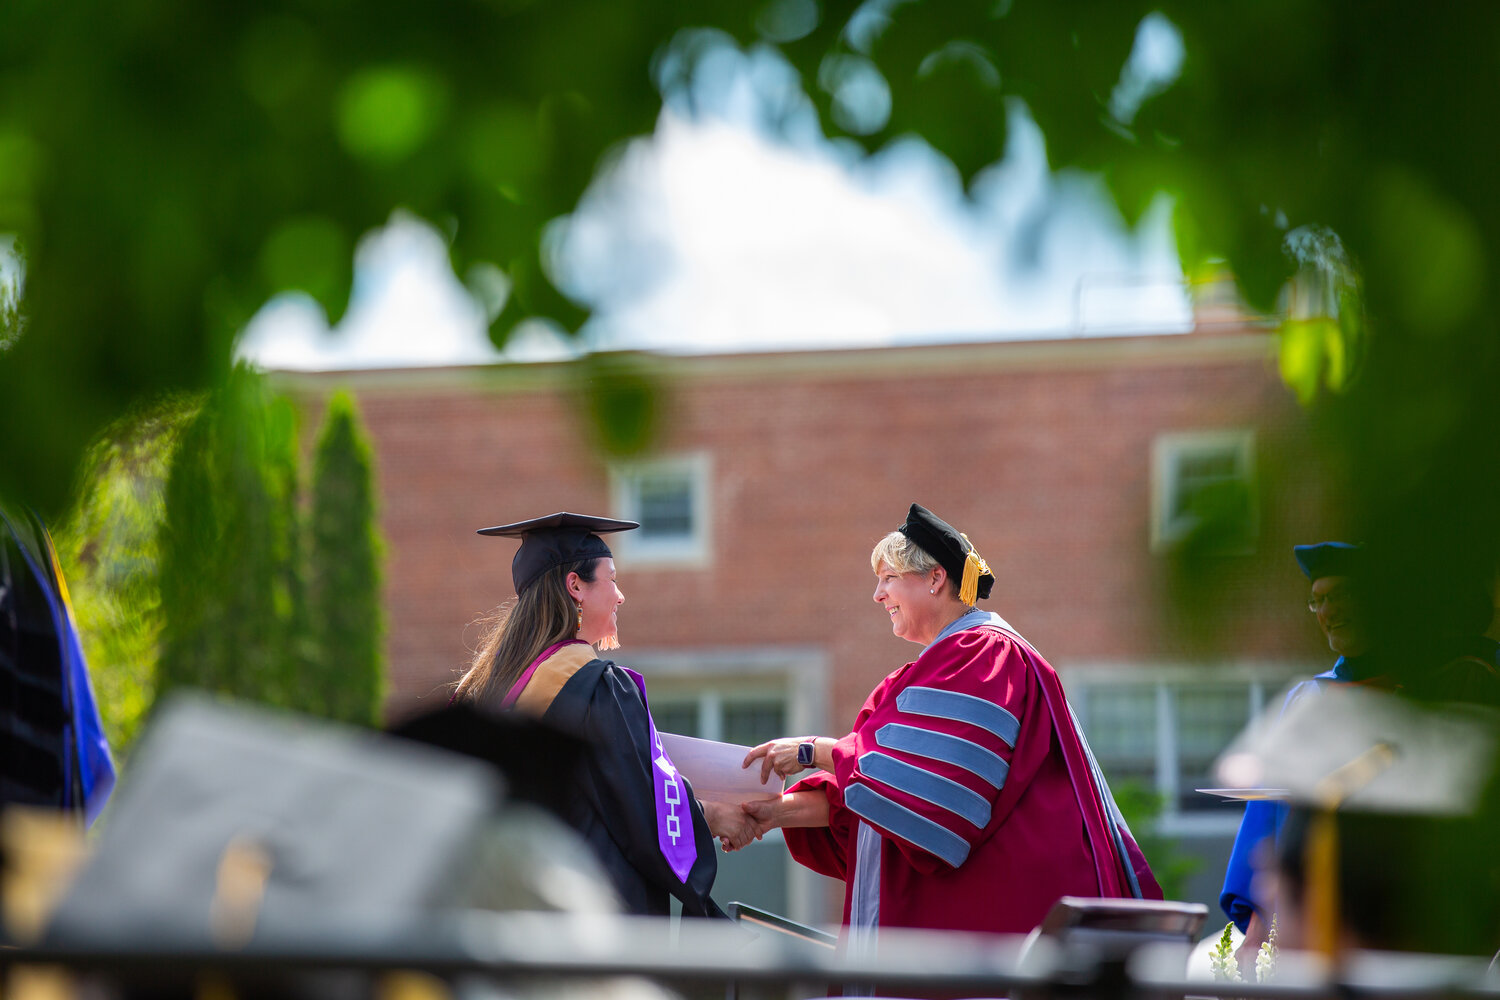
(1399, 802)
(536, 761)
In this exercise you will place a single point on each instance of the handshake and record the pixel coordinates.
(738, 824)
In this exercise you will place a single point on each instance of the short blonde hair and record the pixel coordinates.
(903, 555)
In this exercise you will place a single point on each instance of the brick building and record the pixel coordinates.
(1074, 466)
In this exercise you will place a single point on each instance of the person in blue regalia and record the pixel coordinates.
(52, 742)
(1456, 663)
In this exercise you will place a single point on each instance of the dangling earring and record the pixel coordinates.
(580, 619)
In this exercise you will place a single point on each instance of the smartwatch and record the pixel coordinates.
(805, 753)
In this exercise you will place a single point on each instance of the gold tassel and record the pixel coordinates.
(1323, 882)
(974, 568)
(1322, 850)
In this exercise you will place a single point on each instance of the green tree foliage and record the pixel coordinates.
(171, 169)
(186, 555)
(1141, 806)
(230, 582)
(108, 547)
(347, 676)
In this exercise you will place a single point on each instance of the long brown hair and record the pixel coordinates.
(515, 634)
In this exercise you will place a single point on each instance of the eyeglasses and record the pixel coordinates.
(1337, 595)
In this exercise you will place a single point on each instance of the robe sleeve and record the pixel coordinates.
(614, 719)
(1261, 820)
(1236, 899)
(824, 849)
(927, 762)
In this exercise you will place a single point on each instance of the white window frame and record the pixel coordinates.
(639, 548)
(1263, 684)
(1167, 450)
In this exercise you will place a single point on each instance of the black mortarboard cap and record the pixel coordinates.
(1329, 559)
(953, 551)
(556, 540)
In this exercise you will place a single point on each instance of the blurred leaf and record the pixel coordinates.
(311, 255)
(787, 20)
(1303, 354)
(386, 113)
(20, 168)
(277, 59)
(623, 400)
(1439, 286)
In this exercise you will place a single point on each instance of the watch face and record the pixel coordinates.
(805, 754)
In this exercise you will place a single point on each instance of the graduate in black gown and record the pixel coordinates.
(538, 657)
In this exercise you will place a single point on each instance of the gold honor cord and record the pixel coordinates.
(1322, 855)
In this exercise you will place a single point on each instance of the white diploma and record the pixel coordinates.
(715, 772)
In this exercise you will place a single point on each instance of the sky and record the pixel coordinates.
(737, 226)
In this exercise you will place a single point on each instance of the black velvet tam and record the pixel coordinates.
(556, 540)
(951, 549)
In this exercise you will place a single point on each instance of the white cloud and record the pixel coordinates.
(714, 234)
(756, 244)
(407, 309)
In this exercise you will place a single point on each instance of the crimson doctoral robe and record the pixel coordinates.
(966, 797)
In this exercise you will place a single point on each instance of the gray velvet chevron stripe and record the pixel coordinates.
(931, 788)
(931, 837)
(952, 705)
(953, 750)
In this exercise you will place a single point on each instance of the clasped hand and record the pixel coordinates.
(736, 826)
(777, 755)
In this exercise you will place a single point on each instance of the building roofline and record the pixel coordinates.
(1239, 342)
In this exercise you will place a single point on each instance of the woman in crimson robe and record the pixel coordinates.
(538, 657)
(965, 797)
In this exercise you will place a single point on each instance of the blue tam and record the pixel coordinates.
(1329, 559)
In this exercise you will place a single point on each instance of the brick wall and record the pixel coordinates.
(1039, 450)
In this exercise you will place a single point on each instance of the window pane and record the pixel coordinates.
(1122, 731)
(664, 505)
(680, 717)
(752, 722)
(1208, 718)
(1208, 466)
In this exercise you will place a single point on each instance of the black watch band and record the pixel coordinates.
(805, 752)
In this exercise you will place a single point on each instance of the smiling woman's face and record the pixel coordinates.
(916, 612)
(598, 601)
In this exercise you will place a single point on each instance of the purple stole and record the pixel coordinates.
(674, 818)
(677, 844)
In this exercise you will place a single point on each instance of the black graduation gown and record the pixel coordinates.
(615, 809)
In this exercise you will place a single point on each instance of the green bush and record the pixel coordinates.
(189, 561)
(347, 678)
